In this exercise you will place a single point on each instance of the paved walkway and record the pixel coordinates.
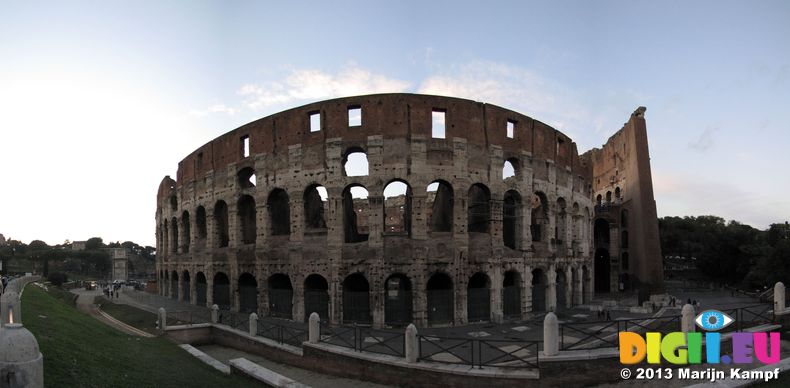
(85, 304)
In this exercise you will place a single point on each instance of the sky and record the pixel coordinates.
(100, 100)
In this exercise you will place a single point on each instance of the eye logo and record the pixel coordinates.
(713, 320)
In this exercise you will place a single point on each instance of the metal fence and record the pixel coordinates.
(185, 317)
(479, 352)
(365, 339)
(283, 334)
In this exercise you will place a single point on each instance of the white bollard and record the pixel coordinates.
(314, 328)
(412, 346)
(551, 335)
(10, 307)
(214, 313)
(779, 298)
(162, 319)
(687, 319)
(253, 324)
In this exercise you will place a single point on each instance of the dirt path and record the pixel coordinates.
(85, 304)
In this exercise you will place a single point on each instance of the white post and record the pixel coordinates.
(253, 324)
(412, 346)
(779, 298)
(214, 313)
(551, 335)
(314, 328)
(687, 319)
(11, 307)
(162, 319)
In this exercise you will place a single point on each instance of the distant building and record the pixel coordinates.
(78, 245)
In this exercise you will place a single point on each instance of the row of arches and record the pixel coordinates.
(398, 295)
(176, 235)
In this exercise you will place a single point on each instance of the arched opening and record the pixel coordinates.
(221, 294)
(174, 235)
(166, 285)
(174, 285)
(510, 168)
(187, 230)
(355, 163)
(511, 295)
(598, 200)
(562, 288)
(478, 298)
(601, 233)
(355, 214)
(398, 301)
(397, 207)
(280, 296)
(560, 229)
(248, 293)
(440, 299)
(221, 221)
(617, 193)
(608, 197)
(246, 178)
(200, 289)
(279, 212)
(356, 299)
(173, 203)
(602, 270)
(440, 206)
(539, 217)
(511, 219)
(165, 238)
(316, 297)
(539, 283)
(200, 222)
(315, 204)
(247, 219)
(479, 209)
(185, 294)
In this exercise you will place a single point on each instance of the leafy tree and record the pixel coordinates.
(94, 243)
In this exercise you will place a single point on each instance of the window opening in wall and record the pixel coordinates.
(315, 121)
(355, 214)
(539, 217)
(247, 219)
(279, 212)
(245, 146)
(559, 144)
(511, 129)
(397, 207)
(479, 209)
(315, 204)
(246, 178)
(511, 219)
(354, 116)
(200, 160)
(356, 164)
(438, 124)
(508, 170)
(440, 207)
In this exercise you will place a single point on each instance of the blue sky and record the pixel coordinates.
(100, 100)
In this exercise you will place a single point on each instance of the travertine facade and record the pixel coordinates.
(267, 218)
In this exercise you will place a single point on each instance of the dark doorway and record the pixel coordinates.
(174, 285)
(478, 298)
(539, 282)
(185, 286)
(248, 293)
(222, 291)
(511, 295)
(200, 289)
(281, 294)
(397, 301)
(440, 299)
(356, 299)
(316, 297)
(602, 273)
(562, 286)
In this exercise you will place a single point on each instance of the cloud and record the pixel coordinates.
(308, 84)
(705, 140)
(216, 108)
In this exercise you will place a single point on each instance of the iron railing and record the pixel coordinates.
(479, 352)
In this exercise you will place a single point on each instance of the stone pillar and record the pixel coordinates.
(314, 328)
(22, 364)
(687, 319)
(193, 287)
(551, 335)
(11, 307)
(526, 293)
(551, 290)
(779, 297)
(214, 313)
(162, 319)
(578, 288)
(412, 344)
(209, 291)
(497, 316)
(253, 324)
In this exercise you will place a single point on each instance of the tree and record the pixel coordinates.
(94, 243)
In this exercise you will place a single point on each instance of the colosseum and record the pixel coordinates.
(396, 208)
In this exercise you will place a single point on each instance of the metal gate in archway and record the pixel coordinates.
(316, 301)
(398, 301)
(440, 306)
(511, 301)
(281, 303)
(356, 306)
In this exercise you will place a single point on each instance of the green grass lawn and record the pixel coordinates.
(80, 351)
(129, 315)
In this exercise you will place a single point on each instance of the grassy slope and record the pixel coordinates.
(80, 351)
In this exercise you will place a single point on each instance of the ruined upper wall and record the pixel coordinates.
(392, 116)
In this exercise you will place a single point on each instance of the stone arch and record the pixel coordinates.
(510, 168)
(221, 222)
(201, 288)
(441, 303)
(539, 284)
(356, 210)
(397, 300)
(221, 288)
(478, 298)
(246, 178)
(174, 235)
(562, 288)
(478, 209)
(511, 294)
(315, 204)
(185, 286)
(279, 212)
(440, 205)
(355, 162)
(511, 219)
(200, 222)
(356, 299)
(186, 227)
(248, 293)
(397, 207)
(280, 296)
(174, 284)
(316, 296)
(247, 216)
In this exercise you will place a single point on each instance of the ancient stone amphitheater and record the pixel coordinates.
(382, 209)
